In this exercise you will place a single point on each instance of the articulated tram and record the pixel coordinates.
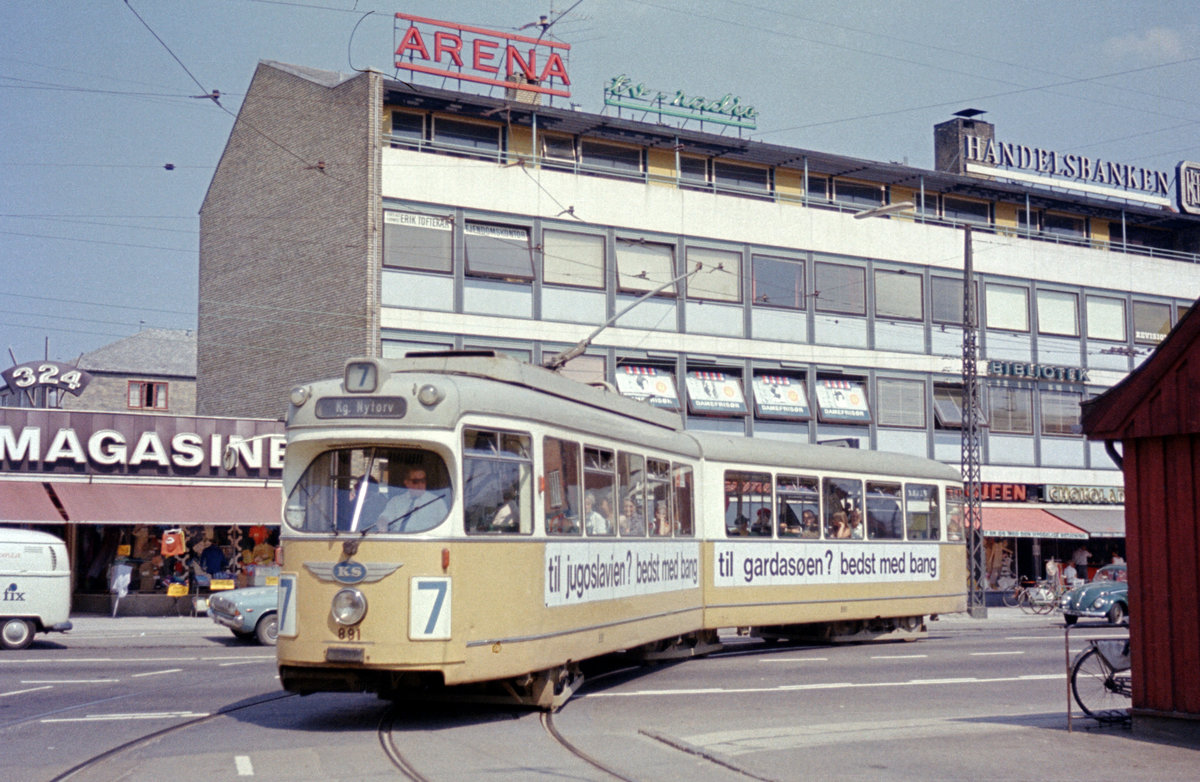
(458, 518)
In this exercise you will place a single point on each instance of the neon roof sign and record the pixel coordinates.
(482, 56)
(729, 110)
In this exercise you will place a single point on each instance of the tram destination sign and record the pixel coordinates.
(361, 407)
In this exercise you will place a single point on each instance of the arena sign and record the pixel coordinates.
(482, 56)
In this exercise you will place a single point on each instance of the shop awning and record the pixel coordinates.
(26, 502)
(117, 503)
(1027, 523)
(1097, 522)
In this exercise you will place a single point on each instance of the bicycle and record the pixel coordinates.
(1101, 680)
(1042, 598)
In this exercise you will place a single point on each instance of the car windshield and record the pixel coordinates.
(369, 490)
(1110, 574)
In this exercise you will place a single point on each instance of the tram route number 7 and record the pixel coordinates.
(287, 605)
(429, 609)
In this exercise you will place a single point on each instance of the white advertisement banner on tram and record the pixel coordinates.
(797, 563)
(606, 570)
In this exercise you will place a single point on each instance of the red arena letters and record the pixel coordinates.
(483, 56)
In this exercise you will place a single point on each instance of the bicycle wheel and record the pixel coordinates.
(1098, 690)
(1012, 597)
(1025, 601)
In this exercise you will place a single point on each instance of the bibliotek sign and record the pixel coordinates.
(482, 56)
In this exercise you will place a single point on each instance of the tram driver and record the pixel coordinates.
(413, 508)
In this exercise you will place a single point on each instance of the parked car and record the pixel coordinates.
(250, 612)
(1105, 596)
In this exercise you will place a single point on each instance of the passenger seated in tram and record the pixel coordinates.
(838, 527)
(809, 527)
(595, 523)
(631, 521)
(741, 527)
(762, 523)
(854, 522)
(662, 524)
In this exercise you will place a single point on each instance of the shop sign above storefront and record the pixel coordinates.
(1187, 177)
(61, 442)
(715, 393)
(725, 110)
(1079, 172)
(482, 56)
(46, 374)
(1017, 369)
(1084, 495)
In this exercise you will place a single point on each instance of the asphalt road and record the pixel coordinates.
(181, 699)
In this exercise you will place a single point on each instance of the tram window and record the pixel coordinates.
(599, 485)
(497, 482)
(885, 514)
(922, 512)
(658, 493)
(560, 460)
(631, 518)
(843, 508)
(798, 508)
(371, 490)
(747, 503)
(954, 513)
(682, 507)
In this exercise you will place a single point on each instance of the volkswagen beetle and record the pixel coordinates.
(1105, 596)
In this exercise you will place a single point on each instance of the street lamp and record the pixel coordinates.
(972, 513)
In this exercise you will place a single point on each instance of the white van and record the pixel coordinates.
(35, 586)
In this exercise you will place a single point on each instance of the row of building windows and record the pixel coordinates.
(585, 155)
(839, 285)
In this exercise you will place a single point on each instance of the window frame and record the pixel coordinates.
(906, 276)
(628, 249)
(1003, 420)
(1046, 314)
(406, 222)
(480, 229)
(151, 395)
(998, 310)
(765, 261)
(905, 388)
(574, 242)
(1055, 410)
(835, 307)
(697, 289)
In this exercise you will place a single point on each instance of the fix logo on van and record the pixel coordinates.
(11, 595)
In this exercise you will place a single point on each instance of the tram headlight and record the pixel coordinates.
(299, 395)
(349, 606)
(429, 395)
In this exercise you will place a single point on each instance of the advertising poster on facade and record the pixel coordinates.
(715, 393)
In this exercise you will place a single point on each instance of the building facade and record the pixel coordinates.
(368, 216)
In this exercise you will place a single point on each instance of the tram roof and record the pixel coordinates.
(826, 458)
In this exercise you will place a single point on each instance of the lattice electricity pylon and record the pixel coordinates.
(972, 512)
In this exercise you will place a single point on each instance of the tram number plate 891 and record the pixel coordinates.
(429, 609)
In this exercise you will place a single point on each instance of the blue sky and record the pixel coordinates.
(98, 238)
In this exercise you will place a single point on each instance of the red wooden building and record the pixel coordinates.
(1155, 416)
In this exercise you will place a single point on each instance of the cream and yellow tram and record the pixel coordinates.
(466, 518)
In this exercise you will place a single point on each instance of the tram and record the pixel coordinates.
(468, 519)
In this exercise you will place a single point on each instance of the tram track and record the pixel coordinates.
(97, 761)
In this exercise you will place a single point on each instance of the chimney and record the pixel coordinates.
(949, 139)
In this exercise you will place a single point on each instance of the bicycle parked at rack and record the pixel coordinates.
(1034, 597)
(1101, 679)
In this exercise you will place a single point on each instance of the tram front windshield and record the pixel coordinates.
(371, 490)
